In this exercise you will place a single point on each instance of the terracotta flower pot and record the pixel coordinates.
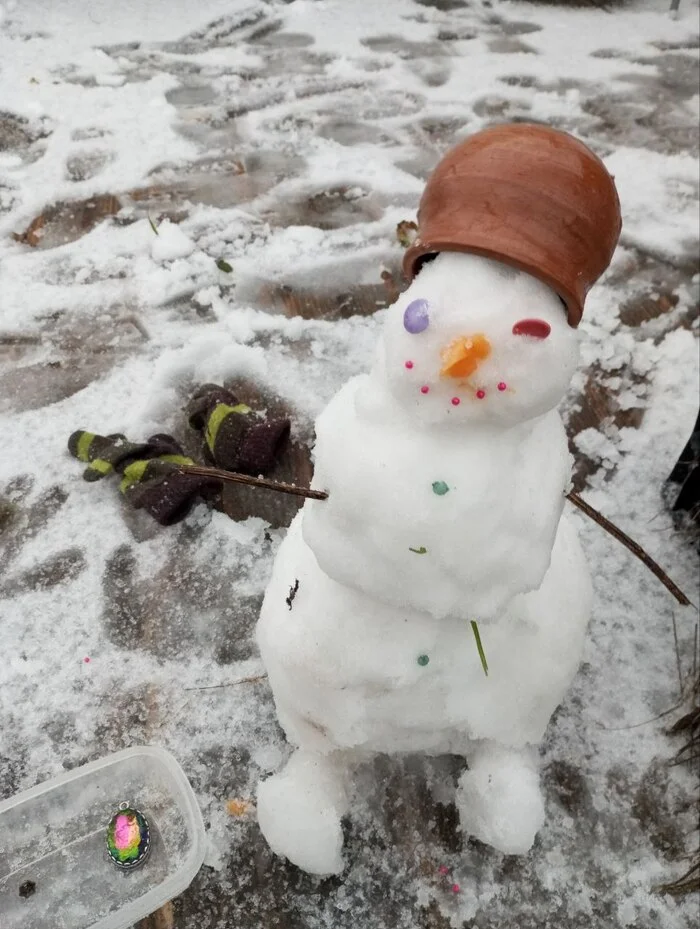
(527, 195)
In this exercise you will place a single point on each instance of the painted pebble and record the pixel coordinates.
(416, 317)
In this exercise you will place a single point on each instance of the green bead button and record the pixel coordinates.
(423, 660)
(440, 488)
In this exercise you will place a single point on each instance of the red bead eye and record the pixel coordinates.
(535, 328)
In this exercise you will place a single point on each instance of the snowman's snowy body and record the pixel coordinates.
(446, 468)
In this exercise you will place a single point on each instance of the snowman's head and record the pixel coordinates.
(475, 340)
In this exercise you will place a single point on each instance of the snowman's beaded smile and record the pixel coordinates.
(480, 394)
(463, 355)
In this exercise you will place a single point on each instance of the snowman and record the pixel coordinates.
(446, 468)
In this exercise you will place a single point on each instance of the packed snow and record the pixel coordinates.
(289, 140)
(376, 654)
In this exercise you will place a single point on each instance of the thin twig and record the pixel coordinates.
(636, 549)
(690, 760)
(693, 744)
(480, 647)
(654, 567)
(678, 654)
(233, 478)
(602, 6)
(644, 722)
(688, 882)
(243, 680)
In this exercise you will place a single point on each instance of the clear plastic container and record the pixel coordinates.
(54, 836)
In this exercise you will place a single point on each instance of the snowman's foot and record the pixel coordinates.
(299, 812)
(499, 798)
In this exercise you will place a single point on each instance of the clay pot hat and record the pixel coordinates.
(527, 195)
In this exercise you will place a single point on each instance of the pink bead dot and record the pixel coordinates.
(443, 869)
(502, 385)
(480, 394)
(86, 659)
(424, 389)
(409, 365)
(455, 401)
(455, 888)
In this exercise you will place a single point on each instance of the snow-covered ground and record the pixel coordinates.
(289, 140)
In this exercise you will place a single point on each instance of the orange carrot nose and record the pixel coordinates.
(464, 355)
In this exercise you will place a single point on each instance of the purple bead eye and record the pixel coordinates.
(415, 317)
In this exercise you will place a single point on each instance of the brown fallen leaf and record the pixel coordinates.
(406, 232)
(69, 220)
(163, 918)
(238, 807)
(32, 233)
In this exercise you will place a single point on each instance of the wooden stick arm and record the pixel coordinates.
(232, 477)
(630, 544)
(615, 531)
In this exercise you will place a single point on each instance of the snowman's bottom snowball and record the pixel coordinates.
(299, 813)
(499, 799)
